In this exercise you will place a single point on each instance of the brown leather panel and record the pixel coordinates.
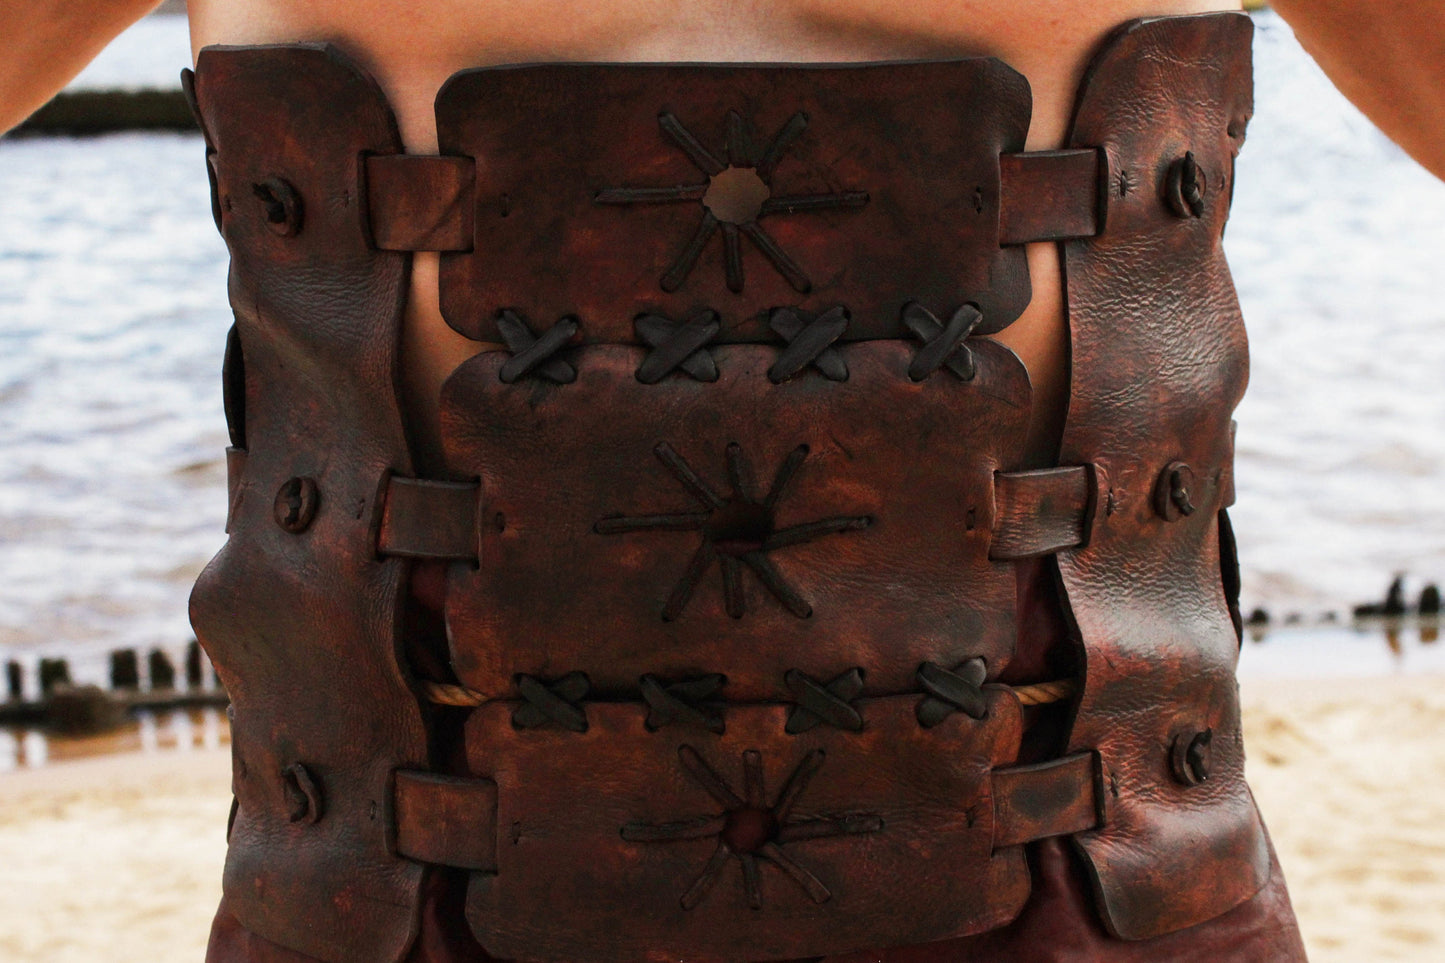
(446, 820)
(430, 519)
(296, 611)
(1041, 511)
(628, 529)
(889, 829)
(418, 203)
(1054, 798)
(1159, 362)
(1049, 195)
(592, 181)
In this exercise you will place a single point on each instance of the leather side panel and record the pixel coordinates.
(1159, 362)
(301, 619)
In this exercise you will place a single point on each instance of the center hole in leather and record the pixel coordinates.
(736, 195)
(739, 527)
(747, 830)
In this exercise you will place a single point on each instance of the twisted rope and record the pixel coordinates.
(1038, 694)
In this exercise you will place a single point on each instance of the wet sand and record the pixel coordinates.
(119, 858)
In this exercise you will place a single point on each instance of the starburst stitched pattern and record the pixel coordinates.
(738, 531)
(737, 195)
(750, 829)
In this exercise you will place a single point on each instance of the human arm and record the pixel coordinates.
(47, 42)
(1388, 58)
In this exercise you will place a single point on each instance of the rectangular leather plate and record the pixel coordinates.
(883, 188)
(878, 838)
(627, 530)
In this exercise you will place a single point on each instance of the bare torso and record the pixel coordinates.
(413, 48)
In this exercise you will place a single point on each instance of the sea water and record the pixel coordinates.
(113, 319)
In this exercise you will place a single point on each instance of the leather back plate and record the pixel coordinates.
(880, 838)
(909, 151)
(625, 527)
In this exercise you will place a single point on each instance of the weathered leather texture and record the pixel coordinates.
(664, 861)
(302, 621)
(732, 505)
(735, 527)
(1159, 362)
(877, 196)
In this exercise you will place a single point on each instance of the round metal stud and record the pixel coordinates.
(1186, 186)
(1189, 758)
(296, 503)
(304, 802)
(1173, 492)
(281, 205)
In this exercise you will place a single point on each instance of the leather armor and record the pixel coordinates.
(732, 527)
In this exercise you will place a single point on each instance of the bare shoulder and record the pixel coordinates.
(1386, 58)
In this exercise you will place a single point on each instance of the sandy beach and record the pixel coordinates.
(119, 858)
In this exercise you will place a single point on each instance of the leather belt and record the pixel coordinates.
(1036, 513)
(425, 203)
(452, 820)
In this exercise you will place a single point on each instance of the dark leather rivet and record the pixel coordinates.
(303, 796)
(296, 503)
(1184, 191)
(280, 204)
(1190, 757)
(1174, 492)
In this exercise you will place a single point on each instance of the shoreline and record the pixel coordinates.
(118, 857)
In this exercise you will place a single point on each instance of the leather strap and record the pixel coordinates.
(1054, 798)
(452, 821)
(1050, 195)
(1039, 512)
(446, 820)
(1036, 513)
(430, 519)
(420, 203)
(424, 203)
(235, 468)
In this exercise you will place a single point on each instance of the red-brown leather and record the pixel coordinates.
(606, 462)
(302, 627)
(918, 221)
(912, 463)
(1159, 362)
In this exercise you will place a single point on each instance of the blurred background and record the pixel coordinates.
(113, 316)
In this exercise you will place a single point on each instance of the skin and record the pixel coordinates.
(1386, 57)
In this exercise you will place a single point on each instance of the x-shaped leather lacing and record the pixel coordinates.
(533, 355)
(948, 692)
(552, 703)
(683, 703)
(809, 342)
(677, 345)
(943, 344)
(818, 704)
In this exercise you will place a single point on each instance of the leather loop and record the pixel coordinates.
(691, 702)
(446, 820)
(420, 203)
(534, 355)
(235, 468)
(430, 519)
(820, 704)
(1054, 798)
(678, 345)
(1050, 195)
(1039, 512)
(809, 342)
